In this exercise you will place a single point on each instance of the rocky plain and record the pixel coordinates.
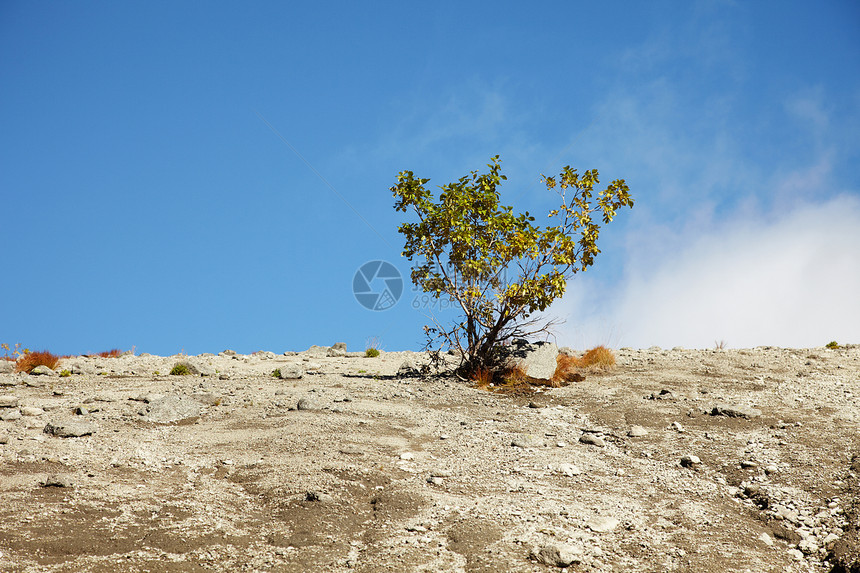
(326, 460)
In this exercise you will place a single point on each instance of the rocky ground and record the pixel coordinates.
(678, 460)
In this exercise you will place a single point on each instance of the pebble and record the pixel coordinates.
(55, 480)
(690, 461)
(306, 404)
(70, 429)
(735, 411)
(562, 555)
(677, 427)
(592, 439)
(637, 432)
(602, 524)
(527, 441)
(766, 539)
(31, 411)
(8, 401)
(407, 456)
(568, 470)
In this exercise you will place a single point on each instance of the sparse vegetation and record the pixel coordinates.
(16, 352)
(832, 345)
(496, 267)
(65, 373)
(180, 370)
(113, 353)
(30, 360)
(276, 373)
(720, 345)
(371, 352)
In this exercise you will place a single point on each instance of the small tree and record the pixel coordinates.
(469, 246)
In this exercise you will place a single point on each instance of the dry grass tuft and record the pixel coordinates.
(115, 353)
(482, 378)
(566, 371)
(599, 358)
(30, 360)
(515, 382)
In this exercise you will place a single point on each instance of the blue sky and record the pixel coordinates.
(207, 175)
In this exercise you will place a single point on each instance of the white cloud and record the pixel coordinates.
(792, 282)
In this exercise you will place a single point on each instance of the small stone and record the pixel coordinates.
(796, 554)
(690, 461)
(291, 372)
(637, 432)
(8, 401)
(592, 439)
(527, 441)
(771, 469)
(677, 427)
(766, 539)
(442, 473)
(10, 415)
(444, 437)
(558, 555)
(602, 524)
(42, 370)
(55, 480)
(435, 480)
(318, 496)
(735, 411)
(70, 429)
(407, 456)
(809, 546)
(306, 404)
(749, 464)
(569, 470)
(31, 411)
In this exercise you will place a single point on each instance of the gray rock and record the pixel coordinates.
(407, 369)
(637, 432)
(207, 398)
(735, 411)
(227, 352)
(4, 438)
(306, 404)
(592, 439)
(337, 349)
(291, 372)
(316, 351)
(70, 429)
(42, 370)
(602, 524)
(170, 409)
(31, 411)
(8, 401)
(318, 496)
(690, 461)
(527, 441)
(6, 367)
(56, 480)
(568, 470)
(537, 360)
(10, 415)
(7, 380)
(562, 555)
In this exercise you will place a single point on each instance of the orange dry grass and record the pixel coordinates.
(516, 382)
(110, 353)
(566, 370)
(482, 378)
(30, 360)
(599, 357)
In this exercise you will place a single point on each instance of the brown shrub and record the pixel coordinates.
(482, 378)
(30, 360)
(516, 382)
(599, 357)
(110, 353)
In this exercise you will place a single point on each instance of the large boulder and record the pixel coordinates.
(535, 359)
